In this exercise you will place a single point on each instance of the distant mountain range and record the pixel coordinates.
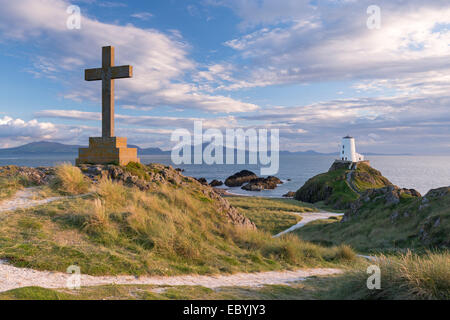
(46, 147)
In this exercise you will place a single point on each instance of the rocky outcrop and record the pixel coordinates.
(436, 194)
(240, 178)
(203, 181)
(314, 191)
(251, 182)
(216, 183)
(32, 176)
(290, 194)
(367, 175)
(232, 214)
(390, 195)
(435, 229)
(142, 177)
(260, 184)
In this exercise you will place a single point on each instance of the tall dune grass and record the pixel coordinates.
(180, 224)
(409, 276)
(69, 180)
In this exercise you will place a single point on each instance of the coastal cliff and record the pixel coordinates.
(341, 185)
(378, 215)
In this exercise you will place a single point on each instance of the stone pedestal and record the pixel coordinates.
(112, 150)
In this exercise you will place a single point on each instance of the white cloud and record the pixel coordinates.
(161, 62)
(10, 127)
(142, 15)
(300, 43)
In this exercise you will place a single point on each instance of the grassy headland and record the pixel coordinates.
(340, 186)
(378, 225)
(176, 226)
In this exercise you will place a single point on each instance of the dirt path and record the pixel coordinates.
(12, 278)
(25, 198)
(350, 182)
(307, 218)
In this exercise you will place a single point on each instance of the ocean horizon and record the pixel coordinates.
(413, 172)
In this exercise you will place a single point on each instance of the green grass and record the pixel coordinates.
(366, 177)
(35, 293)
(271, 215)
(408, 276)
(313, 288)
(138, 169)
(384, 228)
(168, 230)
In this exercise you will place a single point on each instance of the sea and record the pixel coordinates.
(414, 172)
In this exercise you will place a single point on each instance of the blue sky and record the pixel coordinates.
(310, 68)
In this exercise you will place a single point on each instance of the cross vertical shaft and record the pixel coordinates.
(107, 92)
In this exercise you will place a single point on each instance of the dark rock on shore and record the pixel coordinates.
(203, 181)
(259, 184)
(216, 183)
(251, 181)
(238, 179)
(290, 194)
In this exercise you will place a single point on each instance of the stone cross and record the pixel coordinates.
(107, 73)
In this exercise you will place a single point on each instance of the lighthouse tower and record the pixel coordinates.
(347, 150)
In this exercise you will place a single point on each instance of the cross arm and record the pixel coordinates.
(121, 72)
(93, 74)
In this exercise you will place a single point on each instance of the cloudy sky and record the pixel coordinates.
(312, 68)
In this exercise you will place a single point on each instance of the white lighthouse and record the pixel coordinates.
(347, 150)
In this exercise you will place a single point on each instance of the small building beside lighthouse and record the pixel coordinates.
(347, 150)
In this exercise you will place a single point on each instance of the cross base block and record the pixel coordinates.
(113, 150)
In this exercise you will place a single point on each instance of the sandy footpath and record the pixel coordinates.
(12, 277)
(307, 218)
(25, 198)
